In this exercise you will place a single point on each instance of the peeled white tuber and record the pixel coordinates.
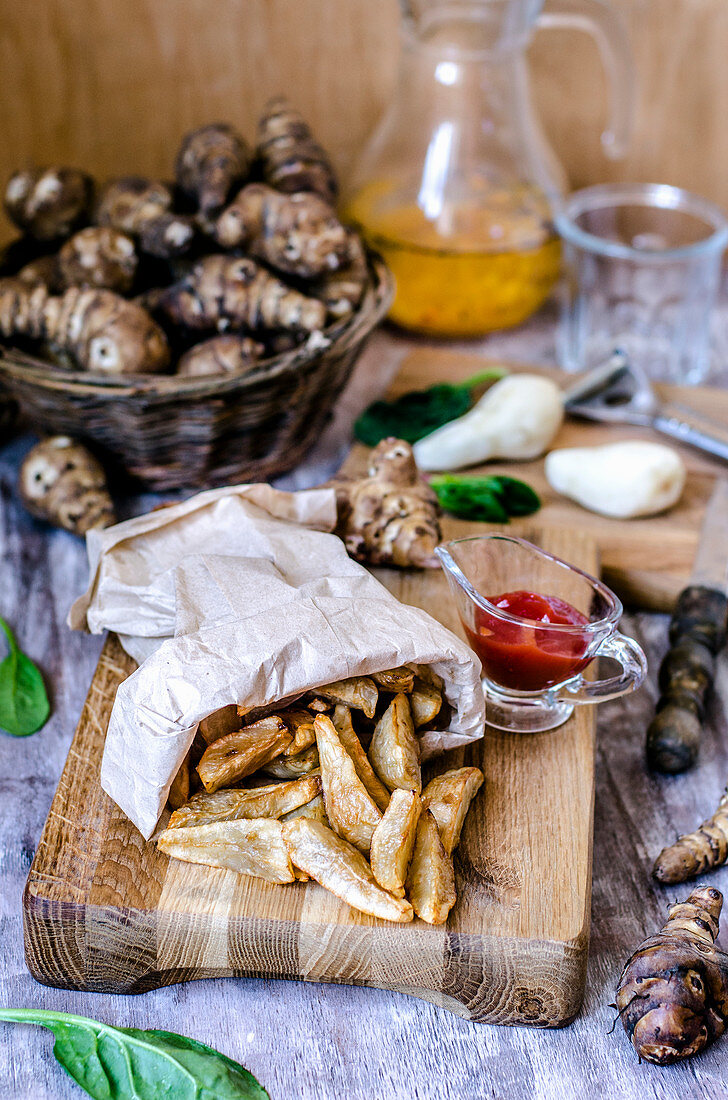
(517, 418)
(624, 480)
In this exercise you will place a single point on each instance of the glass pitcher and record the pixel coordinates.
(457, 183)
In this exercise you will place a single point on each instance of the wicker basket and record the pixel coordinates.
(172, 433)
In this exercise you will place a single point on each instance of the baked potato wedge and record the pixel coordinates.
(429, 676)
(242, 752)
(448, 797)
(394, 751)
(348, 737)
(313, 810)
(300, 723)
(293, 767)
(394, 840)
(431, 878)
(251, 846)
(339, 867)
(317, 705)
(350, 809)
(359, 693)
(425, 702)
(273, 800)
(219, 723)
(395, 679)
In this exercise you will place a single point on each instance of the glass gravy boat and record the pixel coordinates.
(536, 623)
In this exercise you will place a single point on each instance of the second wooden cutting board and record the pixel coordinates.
(647, 561)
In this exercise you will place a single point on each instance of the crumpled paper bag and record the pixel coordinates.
(281, 610)
(132, 564)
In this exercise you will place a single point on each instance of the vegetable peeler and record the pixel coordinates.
(619, 392)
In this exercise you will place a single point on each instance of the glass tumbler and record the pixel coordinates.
(532, 667)
(642, 265)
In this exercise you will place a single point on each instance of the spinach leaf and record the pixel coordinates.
(124, 1063)
(419, 412)
(485, 499)
(518, 498)
(24, 705)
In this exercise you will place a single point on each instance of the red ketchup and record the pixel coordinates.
(528, 656)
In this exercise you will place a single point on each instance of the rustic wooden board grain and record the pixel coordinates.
(647, 561)
(105, 911)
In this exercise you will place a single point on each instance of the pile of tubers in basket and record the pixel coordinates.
(241, 258)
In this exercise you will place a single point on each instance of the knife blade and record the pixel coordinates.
(697, 633)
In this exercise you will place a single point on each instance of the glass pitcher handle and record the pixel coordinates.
(634, 669)
(601, 21)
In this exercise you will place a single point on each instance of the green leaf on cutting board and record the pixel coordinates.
(485, 499)
(24, 705)
(125, 1063)
(420, 412)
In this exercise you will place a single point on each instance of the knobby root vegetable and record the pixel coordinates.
(44, 271)
(227, 292)
(143, 209)
(673, 993)
(220, 355)
(518, 417)
(389, 517)
(210, 162)
(298, 234)
(98, 256)
(48, 203)
(342, 290)
(627, 479)
(23, 251)
(695, 853)
(291, 159)
(103, 333)
(62, 483)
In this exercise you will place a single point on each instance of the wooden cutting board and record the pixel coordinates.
(104, 911)
(647, 561)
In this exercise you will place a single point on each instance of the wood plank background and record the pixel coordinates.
(112, 86)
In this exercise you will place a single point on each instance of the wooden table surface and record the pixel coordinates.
(323, 1042)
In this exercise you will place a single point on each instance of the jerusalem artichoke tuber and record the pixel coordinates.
(342, 290)
(695, 853)
(291, 159)
(61, 482)
(45, 271)
(48, 203)
(224, 292)
(673, 993)
(298, 234)
(104, 333)
(210, 162)
(98, 256)
(143, 209)
(220, 355)
(390, 516)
